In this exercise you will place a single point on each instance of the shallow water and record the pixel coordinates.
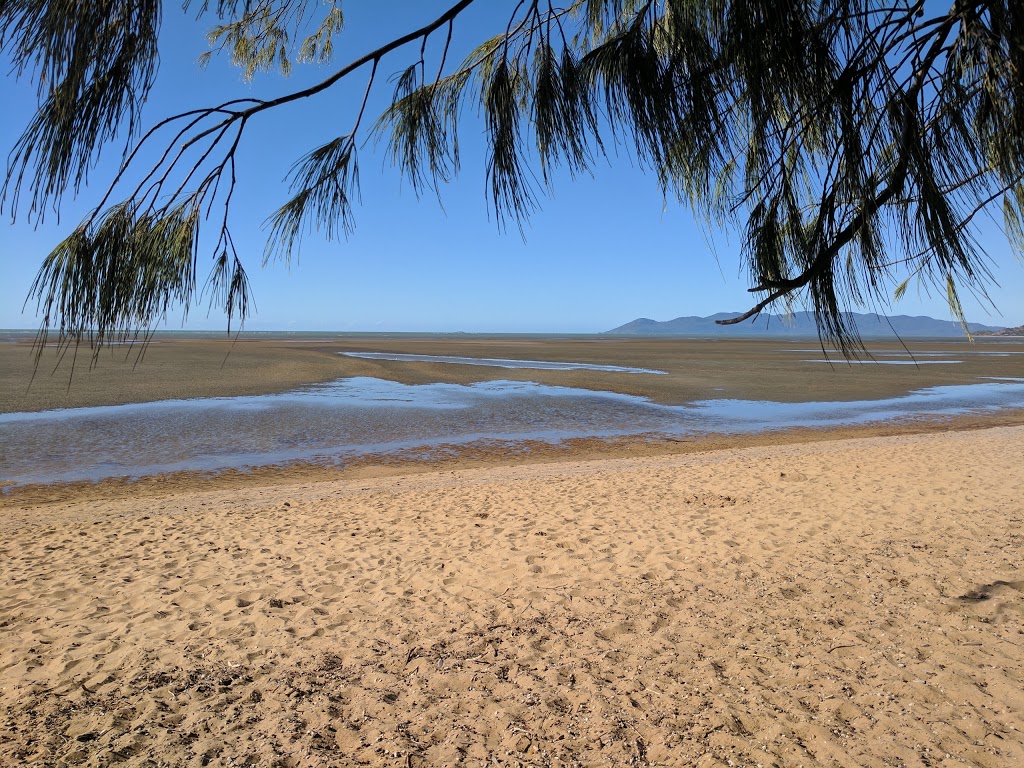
(499, 362)
(359, 416)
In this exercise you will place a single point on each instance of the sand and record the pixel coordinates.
(846, 603)
(698, 369)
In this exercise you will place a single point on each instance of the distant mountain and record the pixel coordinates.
(798, 324)
(1017, 331)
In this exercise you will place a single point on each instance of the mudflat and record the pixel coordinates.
(697, 369)
(855, 602)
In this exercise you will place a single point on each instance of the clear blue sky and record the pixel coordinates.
(600, 252)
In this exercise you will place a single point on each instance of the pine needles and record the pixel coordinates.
(853, 143)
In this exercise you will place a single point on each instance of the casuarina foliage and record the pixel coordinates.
(853, 143)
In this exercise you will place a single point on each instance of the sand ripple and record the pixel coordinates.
(856, 603)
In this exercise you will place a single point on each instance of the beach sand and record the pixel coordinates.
(846, 603)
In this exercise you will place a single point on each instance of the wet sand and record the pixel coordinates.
(841, 597)
(844, 603)
(697, 369)
(318, 438)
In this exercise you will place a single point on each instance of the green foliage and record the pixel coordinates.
(423, 121)
(325, 182)
(260, 37)
(853, 143)
(319, 46)
(121, 272)
(93, 64)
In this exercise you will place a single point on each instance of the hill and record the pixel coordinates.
(870, 325)
(1017, 331)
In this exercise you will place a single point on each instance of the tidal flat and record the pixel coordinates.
(362, 419)
(266, 402)
(181, 367)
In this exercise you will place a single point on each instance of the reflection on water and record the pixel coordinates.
(498, 362)
(358, 416)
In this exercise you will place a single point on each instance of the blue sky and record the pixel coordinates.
(600, 252)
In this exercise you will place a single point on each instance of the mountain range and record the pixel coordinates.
(1017, 331)
(870, 325)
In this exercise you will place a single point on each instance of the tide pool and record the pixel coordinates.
(354, 417)
(499, 362)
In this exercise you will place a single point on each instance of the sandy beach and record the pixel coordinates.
(457, 384)
(846, 603)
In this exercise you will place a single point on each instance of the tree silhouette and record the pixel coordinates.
(854, 143)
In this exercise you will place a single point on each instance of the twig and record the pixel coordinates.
(837, 647)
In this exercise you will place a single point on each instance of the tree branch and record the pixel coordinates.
(825, 256)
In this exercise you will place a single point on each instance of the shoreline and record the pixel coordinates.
(698, 369)
(485, 454)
